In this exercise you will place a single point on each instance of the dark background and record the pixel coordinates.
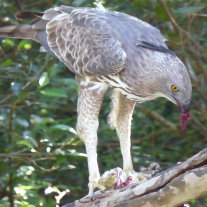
(39, 149)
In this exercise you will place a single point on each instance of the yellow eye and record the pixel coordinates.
(174, 88)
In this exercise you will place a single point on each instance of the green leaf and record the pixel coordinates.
(28, 46)
(78, 2)
(24, 204)
(54, 92)
(7, 62)
(62, 127)
(8, 42)
(27, 143)
(44, 79)
(22, 122)
(53, 70)
(24, 44)
(185, 11)
(78, 154)
(65, 128)
(160, 13)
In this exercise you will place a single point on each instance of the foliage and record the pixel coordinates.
(39, 146)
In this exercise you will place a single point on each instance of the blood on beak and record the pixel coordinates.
(185, 115)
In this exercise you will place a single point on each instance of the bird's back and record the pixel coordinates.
(127, 30)
(90, 41)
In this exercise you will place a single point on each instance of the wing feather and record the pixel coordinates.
(80, 40)
(93, 42)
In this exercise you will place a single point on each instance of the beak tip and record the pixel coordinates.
(185, 107)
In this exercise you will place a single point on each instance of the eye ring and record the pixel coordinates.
(174, 88)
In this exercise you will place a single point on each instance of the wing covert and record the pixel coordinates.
(79, 41)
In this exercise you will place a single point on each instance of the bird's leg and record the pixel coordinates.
(89, 102)
(120, 119)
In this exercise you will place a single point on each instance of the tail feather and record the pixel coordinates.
(20, 31)
(28, 15)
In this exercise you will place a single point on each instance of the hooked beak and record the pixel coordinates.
(184, 108)
(185, 115)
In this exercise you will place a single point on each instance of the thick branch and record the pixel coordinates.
(173, 187)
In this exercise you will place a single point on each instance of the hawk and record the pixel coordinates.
(108, 49)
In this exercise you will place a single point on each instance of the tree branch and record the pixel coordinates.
(173, 187)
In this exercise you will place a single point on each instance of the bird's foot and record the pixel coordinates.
(93, 183)
(118, 178)
(143, 175)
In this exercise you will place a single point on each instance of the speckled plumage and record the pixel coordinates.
(107, 49)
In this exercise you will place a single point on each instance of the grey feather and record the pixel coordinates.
(106, 48)
(119, 49)
(151, 46)
(88, 41)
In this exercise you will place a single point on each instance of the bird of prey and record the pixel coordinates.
(108, 49)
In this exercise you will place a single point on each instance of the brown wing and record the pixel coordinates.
(79, 38)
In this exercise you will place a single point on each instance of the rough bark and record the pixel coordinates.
(173, 187)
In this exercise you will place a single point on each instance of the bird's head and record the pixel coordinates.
(174, 84)
(178, 89)
(167, 77)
